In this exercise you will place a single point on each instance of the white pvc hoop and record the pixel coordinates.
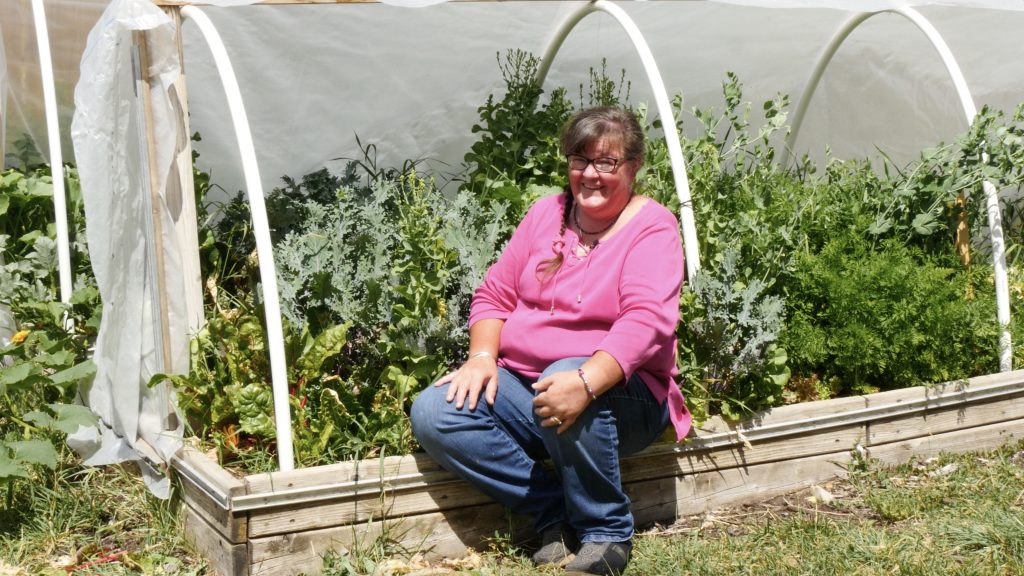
(56, 159)
(261, 229)
(995, 221)
(668, 120)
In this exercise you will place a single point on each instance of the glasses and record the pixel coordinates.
(603, 164)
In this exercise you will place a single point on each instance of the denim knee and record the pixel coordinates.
(425, 416)
(564, 365)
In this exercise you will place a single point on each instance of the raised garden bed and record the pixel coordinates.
(284, 522)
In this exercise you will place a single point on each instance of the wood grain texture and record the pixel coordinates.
(223, 558)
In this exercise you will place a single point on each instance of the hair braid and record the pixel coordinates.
(546, 268)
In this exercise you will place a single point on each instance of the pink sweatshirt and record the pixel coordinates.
(622, 298)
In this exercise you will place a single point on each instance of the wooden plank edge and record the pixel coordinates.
(223, 558)
(933, 422)
(456, 493)
(666, 498)
(438, 534)
(209, 489)
(987, 437)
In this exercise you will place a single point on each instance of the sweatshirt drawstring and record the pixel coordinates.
(583, 282)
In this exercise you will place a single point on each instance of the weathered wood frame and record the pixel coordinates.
(283, 522)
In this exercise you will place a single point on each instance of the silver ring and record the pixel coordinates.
(556, 420)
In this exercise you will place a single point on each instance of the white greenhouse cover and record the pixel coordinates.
(107, 131)
(409, 81)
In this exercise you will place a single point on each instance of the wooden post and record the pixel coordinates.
(145, 94)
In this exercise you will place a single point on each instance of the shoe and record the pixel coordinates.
(601, 558)
(556, 545)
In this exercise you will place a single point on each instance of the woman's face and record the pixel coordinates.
(602, 195)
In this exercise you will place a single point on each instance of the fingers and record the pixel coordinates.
(467, 383)
(554, 421)
(491, 392)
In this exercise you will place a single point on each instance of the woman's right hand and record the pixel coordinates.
(479, 374)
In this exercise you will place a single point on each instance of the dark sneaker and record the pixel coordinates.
(601, 558)
(556, 545)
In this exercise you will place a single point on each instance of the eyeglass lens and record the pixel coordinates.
(603, 164)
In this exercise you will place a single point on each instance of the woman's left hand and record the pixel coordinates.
(560, 399)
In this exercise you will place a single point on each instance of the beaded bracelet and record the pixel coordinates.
(586, 384)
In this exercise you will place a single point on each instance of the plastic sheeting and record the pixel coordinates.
(108, 131)
(3, 94)
(69, 22)
(409, 81)
(7, 326)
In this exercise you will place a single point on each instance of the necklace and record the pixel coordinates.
(576, 219)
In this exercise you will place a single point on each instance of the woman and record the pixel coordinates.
(572, 348)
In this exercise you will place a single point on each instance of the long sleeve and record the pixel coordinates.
(498, 295)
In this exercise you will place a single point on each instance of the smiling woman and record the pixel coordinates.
(573, 353)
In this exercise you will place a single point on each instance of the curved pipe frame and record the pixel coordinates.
(970, 111)
(56, 159)
(261, 229)
(668, 121)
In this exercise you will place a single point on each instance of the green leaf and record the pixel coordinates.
(403, 382)
(5, 202)
(881, 225)
(71, 416)
(17, 373)
(10, 468)
(40, 419)
(75, 374)
(925, 224)
(328, 343)
(40, 187)
(35, 452)
(30, 237)
(56, 359)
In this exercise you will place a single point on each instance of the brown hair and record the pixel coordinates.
(585, 127)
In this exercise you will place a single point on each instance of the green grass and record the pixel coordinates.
(79, 520)
(953, 515)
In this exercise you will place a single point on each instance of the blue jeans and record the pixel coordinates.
(499, 449)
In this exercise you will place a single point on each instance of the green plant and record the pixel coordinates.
(730, 329)
(888, 317)
(39, 379)
(515, 160)
(375, 287)
(43, 362)
(386, 265)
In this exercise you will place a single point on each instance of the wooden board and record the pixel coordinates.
(445, 493)
(391, 467)
(432, 497)
(439, 534)
(783, 414)
(944, 420)
(988, 437)
(662, 501)
(411, 502)
(223, 558)
(233, 527)
(669, 459)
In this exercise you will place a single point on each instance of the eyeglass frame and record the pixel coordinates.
(615, 162)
